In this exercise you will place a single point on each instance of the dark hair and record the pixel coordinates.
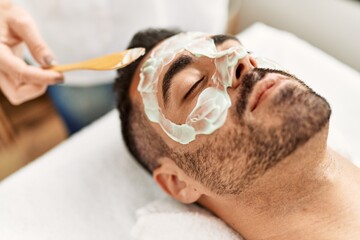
(133, 126)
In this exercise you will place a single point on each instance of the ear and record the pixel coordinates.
(175, 182)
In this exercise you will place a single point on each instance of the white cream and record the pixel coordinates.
(210, 111)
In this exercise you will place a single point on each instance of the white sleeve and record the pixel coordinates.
(84, 29)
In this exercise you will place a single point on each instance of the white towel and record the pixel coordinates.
(167, 219)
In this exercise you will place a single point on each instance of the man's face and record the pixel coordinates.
(272, 114)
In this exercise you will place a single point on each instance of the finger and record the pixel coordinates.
(20, 94)
(35, 75)
(18, 70)
(25, 28)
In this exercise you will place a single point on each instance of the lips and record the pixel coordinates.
(261, 91)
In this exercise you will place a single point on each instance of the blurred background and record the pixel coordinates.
(29, 130)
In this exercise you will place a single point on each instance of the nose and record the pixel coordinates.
(244, 66)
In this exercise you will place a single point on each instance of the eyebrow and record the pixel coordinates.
(183, 61)
(220, 38)
(176, 66)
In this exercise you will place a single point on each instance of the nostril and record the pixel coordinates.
(239, 69)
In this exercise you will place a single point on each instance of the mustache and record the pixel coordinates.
(257, 74)
(247, 85)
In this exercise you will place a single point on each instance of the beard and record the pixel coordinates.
(230, 160)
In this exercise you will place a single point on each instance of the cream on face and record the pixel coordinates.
(210, 111)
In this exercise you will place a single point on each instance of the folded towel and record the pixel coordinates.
(168, 219)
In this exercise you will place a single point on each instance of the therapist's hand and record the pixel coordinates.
(18, 81)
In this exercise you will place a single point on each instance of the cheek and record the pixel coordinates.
(177, 114)
(173, 145)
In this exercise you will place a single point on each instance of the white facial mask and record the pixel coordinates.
(213, 103)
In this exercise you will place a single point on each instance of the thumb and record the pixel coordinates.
(25, 28)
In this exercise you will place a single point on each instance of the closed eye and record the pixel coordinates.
(193, 88)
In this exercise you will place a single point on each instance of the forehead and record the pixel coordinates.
(196, 43)
(192, 42)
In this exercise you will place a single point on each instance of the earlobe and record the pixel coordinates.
(175, 183)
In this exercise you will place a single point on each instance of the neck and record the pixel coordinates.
(312, 194)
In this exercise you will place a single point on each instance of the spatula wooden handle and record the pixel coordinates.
(108, 62)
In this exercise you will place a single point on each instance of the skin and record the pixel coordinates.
(18, 81)
(313, 193)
